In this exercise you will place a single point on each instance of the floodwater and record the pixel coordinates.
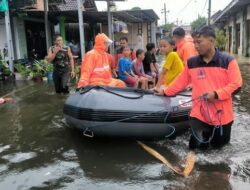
(38, 150)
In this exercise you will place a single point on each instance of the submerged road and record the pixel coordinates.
(38, 150)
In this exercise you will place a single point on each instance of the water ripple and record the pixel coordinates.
(19, 157)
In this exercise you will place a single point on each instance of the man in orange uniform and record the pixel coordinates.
(184, 44)
(95, 68)
(119, 52)
(215, 76)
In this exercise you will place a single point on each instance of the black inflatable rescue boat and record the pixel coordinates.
(101, 111)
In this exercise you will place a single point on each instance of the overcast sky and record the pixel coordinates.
(176, 8)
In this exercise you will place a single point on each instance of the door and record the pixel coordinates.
(36, 39)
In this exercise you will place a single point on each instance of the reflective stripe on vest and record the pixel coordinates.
(102, 69)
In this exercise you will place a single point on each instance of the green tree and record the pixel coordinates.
(136, 8)
(221, 39)
(200, 21)
(167, 28)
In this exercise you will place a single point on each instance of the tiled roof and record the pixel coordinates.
(70, 5)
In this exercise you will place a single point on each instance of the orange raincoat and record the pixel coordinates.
(186, 49)
(95, 68)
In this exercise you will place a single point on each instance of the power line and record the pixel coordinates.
(184, 7)
(204, 7)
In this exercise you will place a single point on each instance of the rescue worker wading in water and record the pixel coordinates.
(63, 62)
(215, 76)
(95, 68)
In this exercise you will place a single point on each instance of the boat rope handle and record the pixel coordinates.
(219, 112)
(84, 90)
(88, 133)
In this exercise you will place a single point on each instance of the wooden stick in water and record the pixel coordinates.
(189, 163)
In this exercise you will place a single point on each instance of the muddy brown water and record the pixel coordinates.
(38, 150)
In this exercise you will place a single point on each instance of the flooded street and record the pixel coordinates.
(38, 150)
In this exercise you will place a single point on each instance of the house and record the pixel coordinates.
(28, 28)
(235, 20)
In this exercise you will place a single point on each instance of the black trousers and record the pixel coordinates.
(60, 81)
(203, 132)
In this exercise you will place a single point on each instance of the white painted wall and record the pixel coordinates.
(153, 31)
(3, 38)
(132, 34)
(20, 38)
(239, 20)
(248, 12)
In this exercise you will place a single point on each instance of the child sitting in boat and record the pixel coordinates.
(138, 69)
(173, 65)
(125, 72)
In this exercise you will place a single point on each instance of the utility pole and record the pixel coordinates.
(110, 26)
(81, 26)
(209, 13)
(164, 11)
(46, 23)
(9, 38)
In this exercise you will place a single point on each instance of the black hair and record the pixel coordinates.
(150, 46)
(194, 34)
(206, 31)
(124, 38)
(126, 47)
(139, 52)
(179, 32)
(57, 36)
(169, 40)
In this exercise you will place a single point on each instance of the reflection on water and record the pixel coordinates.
(38, 151)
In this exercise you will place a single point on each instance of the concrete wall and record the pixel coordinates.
(132, 35)
(239, 20)
(244, 39)
(3, 38)
(248, 13)
(153, 32)
(230, 24)
(20, 38)
(40, 5)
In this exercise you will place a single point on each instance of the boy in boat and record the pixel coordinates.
(149, 62)
(125, 71)
(173, 65)
(95, 68)
(137, 68)
(215, 77)
(119, 52)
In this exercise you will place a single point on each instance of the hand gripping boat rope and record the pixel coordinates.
(190, 161)
(219, 112)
